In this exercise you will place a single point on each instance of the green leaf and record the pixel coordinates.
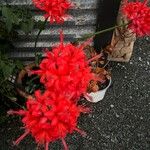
(9, 25)
(27, 26)
(19, 64)
(7, 13)
(0, 8)
(24, 27)
(30, 24)
(7, 69)
(15, 19)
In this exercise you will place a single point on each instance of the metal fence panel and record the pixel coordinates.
(82, 22)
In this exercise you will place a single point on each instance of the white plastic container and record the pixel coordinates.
(99, 95)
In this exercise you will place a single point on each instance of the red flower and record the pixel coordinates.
(55, 9)
(66, 70)
(49, 118)
(138, 14)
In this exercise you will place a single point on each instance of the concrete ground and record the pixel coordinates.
(121, 121)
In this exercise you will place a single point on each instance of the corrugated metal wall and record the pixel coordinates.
(83, 21)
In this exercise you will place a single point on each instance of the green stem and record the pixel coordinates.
(36, 40)
(99, 32)
(41, 29)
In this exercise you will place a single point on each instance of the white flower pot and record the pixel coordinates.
(99, 95)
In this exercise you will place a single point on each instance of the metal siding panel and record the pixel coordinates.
(83, 21)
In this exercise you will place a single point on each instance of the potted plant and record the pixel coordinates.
(97, 88)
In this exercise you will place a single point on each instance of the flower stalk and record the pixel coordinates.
(87, 36)
(41, 29)
(36, 40)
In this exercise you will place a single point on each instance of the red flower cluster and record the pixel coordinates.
(139, 15)
(65, 70)
(55, 9)
(52, 115)
(49, 118)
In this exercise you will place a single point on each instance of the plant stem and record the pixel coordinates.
(87, 36)
(36, 40)
(41, 29)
